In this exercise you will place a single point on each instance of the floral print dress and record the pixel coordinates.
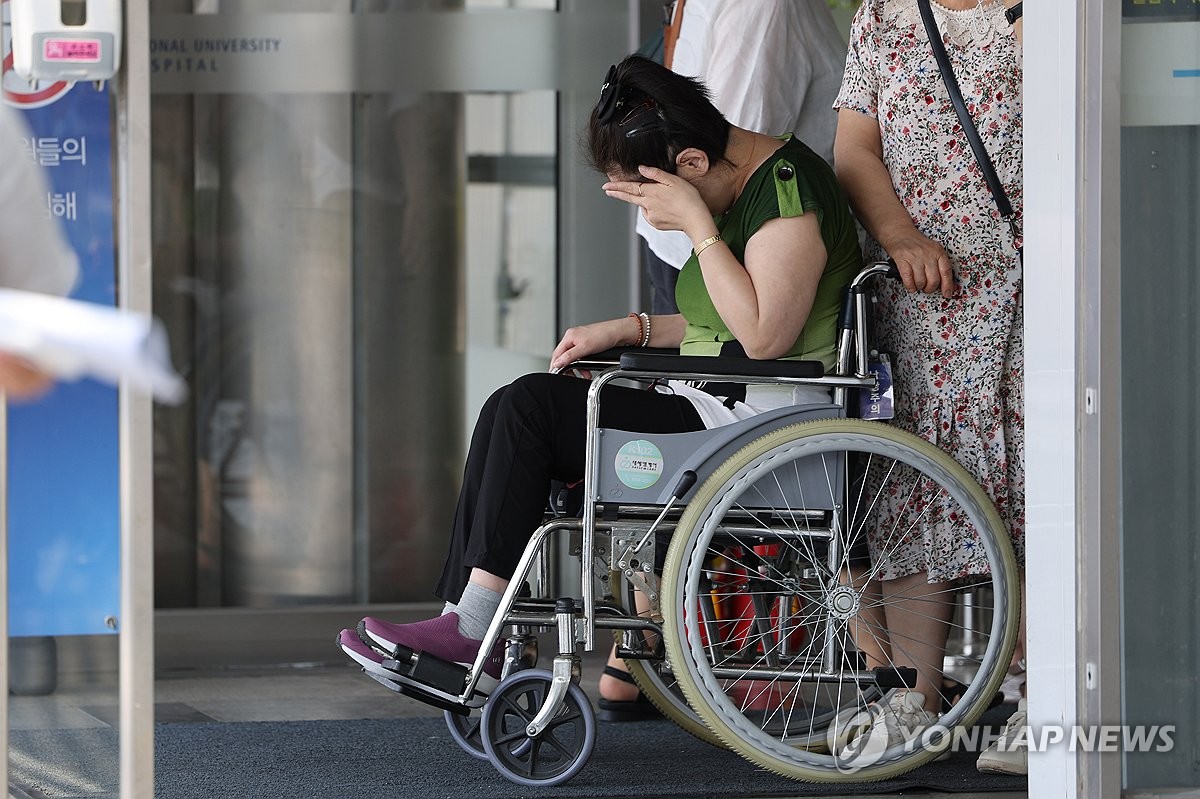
(957, 362)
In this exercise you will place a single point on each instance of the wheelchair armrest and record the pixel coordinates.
(613, 357)
(642, 360)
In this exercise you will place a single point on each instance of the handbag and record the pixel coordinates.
(968, 124)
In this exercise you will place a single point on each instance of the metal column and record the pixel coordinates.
(136, 646)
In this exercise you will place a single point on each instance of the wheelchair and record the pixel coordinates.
(728, 566)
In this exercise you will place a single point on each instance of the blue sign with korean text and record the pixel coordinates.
(63, 468)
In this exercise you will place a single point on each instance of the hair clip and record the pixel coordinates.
(645, 117)
(606, 106)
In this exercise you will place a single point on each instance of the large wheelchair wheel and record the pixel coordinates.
(767, 622)
(655, 678)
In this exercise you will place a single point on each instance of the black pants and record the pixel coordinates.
(530, 432)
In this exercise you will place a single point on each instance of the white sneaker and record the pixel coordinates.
(900, 716)
(852, 722)
(1010, 753)
(905, 717)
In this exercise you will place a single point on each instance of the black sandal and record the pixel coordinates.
(640, 709)
(953, 690)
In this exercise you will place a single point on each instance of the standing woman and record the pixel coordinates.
(954, 327)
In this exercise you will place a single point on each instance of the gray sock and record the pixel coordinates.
(449, 607)
(476, 609)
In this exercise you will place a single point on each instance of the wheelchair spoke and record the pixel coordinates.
(529, 763)
(512, 704)
(548, 738)
(774, 616)
(554, 755)
(566, 717)
(517, 735)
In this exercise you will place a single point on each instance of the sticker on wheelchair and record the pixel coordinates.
(877, 403)
(639, 464)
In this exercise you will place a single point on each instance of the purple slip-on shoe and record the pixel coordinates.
(370, 660)
(439, 637)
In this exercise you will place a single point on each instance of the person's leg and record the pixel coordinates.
(455, 573)
(528, 433)
(535, 431)
(918, 617)
(1009, 753)
(868, 629)
(478, 603)
(612, 687)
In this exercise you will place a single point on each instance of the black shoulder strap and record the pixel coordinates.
(964, 117)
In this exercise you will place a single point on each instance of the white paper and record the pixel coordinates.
(69, 339)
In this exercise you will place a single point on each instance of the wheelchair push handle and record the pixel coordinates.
(893, 271)
(858, 285)
(887, 268)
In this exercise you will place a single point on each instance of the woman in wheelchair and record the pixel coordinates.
(774, 243)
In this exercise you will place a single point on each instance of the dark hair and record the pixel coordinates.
(647, 114)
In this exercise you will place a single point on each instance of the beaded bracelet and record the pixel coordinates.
(643, 320)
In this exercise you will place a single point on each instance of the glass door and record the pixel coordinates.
(352, 250)
(1160, 363)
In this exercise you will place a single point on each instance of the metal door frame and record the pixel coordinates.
(136, 644)
(1072, 324)
(135, 412)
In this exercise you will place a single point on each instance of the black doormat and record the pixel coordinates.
(416, 757)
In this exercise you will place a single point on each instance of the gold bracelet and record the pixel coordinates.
(704, 245)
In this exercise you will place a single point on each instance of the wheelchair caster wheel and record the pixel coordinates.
(553, 756)
(465, 732)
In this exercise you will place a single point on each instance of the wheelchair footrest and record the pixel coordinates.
(427, 669)
(895, 677)
(658, 652)
(415, 692)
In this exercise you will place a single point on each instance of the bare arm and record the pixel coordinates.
(764, 302)
(858, 158)
(584, 340)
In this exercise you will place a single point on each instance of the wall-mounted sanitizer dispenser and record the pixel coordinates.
(86, 46)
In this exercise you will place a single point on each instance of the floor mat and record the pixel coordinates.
(417, 757)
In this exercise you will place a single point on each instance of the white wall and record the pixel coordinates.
(1050, 380)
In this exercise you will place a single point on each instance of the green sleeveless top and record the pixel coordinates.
(792, 182)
